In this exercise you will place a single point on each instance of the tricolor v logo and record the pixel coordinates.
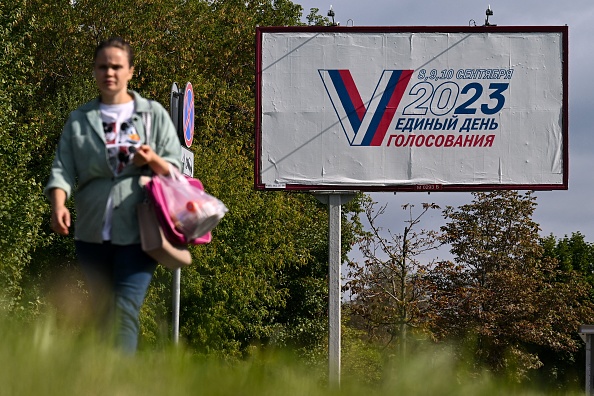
(365, 126)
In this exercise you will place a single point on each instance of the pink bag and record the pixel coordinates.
(187, 214)
(156, 193)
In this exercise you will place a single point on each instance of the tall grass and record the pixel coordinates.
(41, 359)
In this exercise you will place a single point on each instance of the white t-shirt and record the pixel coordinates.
(121, 141)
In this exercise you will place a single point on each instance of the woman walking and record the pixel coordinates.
(100, 157)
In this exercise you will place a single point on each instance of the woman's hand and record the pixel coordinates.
(60, 220)
(145, 155)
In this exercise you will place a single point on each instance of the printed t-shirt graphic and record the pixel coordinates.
(121, 137)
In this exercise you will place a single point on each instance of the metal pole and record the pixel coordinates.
(334, 200)
(334, 259)
(176, 287)
(586, 333)
(589, 364)
(175, 112)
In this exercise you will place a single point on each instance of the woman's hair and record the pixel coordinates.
(116, 42)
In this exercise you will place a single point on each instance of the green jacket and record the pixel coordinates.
(81, 168)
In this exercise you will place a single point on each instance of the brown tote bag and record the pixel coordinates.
(154, 242)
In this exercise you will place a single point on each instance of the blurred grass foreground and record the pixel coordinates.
(40, 359)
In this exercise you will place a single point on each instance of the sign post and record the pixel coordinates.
(183, 120)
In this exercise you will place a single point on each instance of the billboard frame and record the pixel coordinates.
(562, 30)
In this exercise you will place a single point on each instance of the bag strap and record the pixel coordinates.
(146, 119)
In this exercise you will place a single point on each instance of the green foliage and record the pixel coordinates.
(575, 263)
(22, 209)
(572, 254)
(315, 19)
(360, 358)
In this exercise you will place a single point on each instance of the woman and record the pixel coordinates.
(99, 160)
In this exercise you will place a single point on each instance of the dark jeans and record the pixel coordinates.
(117, 279)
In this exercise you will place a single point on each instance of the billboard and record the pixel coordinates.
(411, 108)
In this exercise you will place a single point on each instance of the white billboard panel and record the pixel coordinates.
(386, 109)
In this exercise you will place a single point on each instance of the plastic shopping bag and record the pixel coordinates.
(193, 211)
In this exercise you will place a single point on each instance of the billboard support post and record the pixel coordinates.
(334, 200)
(586, 332)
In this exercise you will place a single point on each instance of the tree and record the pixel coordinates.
(387, 297)
(575, 264)
(500, 294)
(315, 19)
(572, 254)
(22, 208)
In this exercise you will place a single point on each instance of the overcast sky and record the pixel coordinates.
(558, 212)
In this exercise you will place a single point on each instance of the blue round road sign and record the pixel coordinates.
(188, 115)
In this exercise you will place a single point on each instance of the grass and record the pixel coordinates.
(40, 359)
